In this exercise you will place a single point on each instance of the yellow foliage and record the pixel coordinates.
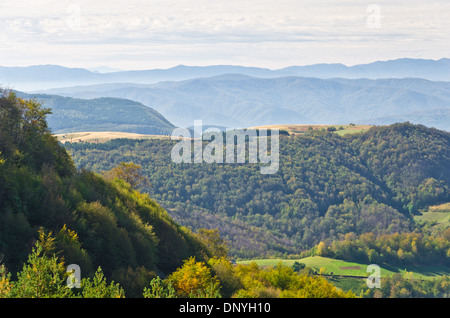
(281, 281)
(71, 234)
(5, 284)
(194, 278)
(321, 249)
(47, 241)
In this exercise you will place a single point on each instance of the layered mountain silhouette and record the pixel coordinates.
(241, 101)
(50, 76)
(382, 92)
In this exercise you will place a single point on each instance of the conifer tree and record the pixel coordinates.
(42, 277)
(97, 287)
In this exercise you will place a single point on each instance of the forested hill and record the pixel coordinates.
(327, 186)
(101, 114)
(84, 219)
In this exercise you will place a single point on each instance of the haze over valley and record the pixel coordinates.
(378, 93)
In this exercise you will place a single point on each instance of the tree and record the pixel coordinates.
(223, 269)
(159, 289)
(373, 256)
(281, 276)
(25, 137)
(34, 116)
(282, 281)
(297, 266)
(321, 249)
(42, 277)
(128, 172)
(99, 288)
(213, 242)
(10, 118)
(194, 279)
(5, 284)
(304, 286)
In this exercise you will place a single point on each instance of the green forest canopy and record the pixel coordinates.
(327, 186)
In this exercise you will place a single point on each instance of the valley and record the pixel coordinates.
(327, 185)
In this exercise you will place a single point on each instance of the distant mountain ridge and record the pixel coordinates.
(382, 92)
(434, 70)
(235, 100)
(49, 76)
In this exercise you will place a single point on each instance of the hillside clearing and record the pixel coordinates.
(437, 215)
(103, 136)
(300, 129)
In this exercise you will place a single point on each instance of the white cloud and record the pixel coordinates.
(142, 33)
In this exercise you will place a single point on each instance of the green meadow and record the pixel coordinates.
(328, 266)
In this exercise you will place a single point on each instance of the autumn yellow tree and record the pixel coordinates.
(194, 279)
(5, 284)
(321, 249)
(283, 282)
(304, 286)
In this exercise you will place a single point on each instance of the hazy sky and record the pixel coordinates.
(143, 34)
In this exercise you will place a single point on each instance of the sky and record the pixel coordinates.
(148, 34)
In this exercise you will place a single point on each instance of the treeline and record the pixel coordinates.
(406, 286)
(44, 275)
(404, 249)
(326, 186)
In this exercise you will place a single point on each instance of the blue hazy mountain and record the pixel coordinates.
(435, 70)
(50, 76)
(243, 101)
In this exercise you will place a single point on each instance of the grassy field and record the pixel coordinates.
(439, 215)
(300, 129)
(445, 207)
(339, 267)
(102, 136)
